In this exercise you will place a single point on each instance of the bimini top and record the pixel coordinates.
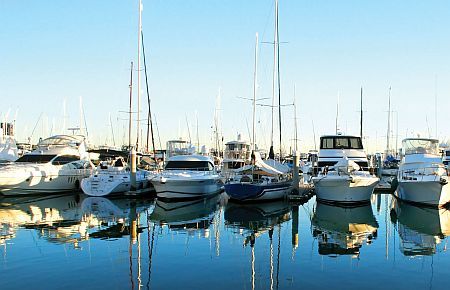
(62, 140)
(420, 146)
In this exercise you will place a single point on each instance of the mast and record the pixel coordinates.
(274, 77)
(295, 125)
(389, 124)
(361, 119)
(129, 109)
(278, 72)
(255, 75)
(139, 76)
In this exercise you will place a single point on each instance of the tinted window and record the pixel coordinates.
(341, 143)
(355, 143)
(195, 165)
(447, 153)
(36, 158)
(61, 160)
(327, 143)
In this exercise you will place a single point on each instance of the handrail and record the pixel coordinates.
(419, 174)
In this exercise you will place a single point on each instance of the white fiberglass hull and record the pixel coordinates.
(171, 188)
(433, 193)
(107, 184)
(344, 189)
(40, 180)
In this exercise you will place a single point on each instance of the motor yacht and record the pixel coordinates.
(113, 177)
(186, 177)
(344, 175)
(58, 164)
(422, 176)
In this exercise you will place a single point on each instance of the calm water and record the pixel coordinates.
(76, 242)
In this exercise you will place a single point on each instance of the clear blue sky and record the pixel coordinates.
(56, 50)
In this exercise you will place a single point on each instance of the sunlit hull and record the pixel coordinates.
(344, 189)
(431, 193)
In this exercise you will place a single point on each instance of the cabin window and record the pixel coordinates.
(64, 159)
(447, 153)
(327, 143)
(355, 143)
(36, 158)
(190, 165)
(341, 143)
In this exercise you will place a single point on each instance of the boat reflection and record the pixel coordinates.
(421, 229)
(252, 221)
(343, 230)
(65, 218)
(187, 216)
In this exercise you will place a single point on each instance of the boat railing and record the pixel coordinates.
(430, 173)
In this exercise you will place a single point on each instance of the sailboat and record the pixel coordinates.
(263, 179)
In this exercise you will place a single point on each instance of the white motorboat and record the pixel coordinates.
(422, 177)
(58, 164)
(112, 178)
(344, 177)
(187, 176)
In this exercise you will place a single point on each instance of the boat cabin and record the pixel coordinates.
(334, 147)
(190, 162)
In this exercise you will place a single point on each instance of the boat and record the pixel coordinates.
(236, 154)
(264, 180)
(187, 177)
(58, 164)
(343, 230)
(8, 147)
(344, 177)
(113, 177)
(422, 230)
(422, 176)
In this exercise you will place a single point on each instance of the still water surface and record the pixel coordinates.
(79, 242)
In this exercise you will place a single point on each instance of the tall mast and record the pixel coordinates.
(435, 107)
(389, 124)
(255, 85)
(139, 76)
(129, 109)
(361, 119)
(295, 125)
(278, 72)
(275, 39)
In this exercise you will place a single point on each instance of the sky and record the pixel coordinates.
(54, 52)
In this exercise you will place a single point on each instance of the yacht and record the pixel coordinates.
(264, 180)
(186, 177)
(344, 175)
(422, 176)
(58, 164)
(236, 154)
(113, 177)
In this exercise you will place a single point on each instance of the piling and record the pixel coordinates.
(296, 176)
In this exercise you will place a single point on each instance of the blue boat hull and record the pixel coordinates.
(258, 192)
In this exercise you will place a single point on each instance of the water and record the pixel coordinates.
(76, 242)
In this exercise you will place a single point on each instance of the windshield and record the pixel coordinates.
(340, 142)
(194, 165)
(36, 158)
(420, 146)
(59, 141)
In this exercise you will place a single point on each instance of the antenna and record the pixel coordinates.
(361, 120)
(389, 124)
(314, 134)
(337, 114)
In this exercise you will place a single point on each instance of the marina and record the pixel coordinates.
(265, 144)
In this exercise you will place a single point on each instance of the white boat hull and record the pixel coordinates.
(432, 193)
(106, 184)
(185, 188)
(41, 182)
(344, 189)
